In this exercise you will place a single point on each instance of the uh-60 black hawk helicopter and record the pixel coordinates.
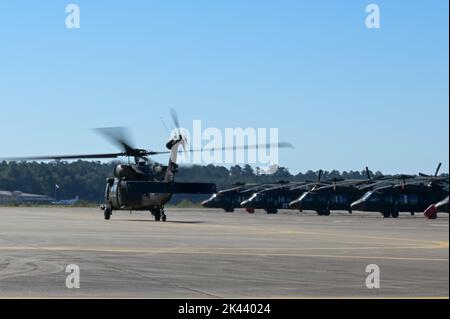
(413, 196)
(337, 195)
(278, 197)
(231, 198)
(145, 185)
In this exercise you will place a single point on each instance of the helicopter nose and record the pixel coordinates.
(247, 204)
(206, 204)
(359, 205)
(296, 204)
(431, 212)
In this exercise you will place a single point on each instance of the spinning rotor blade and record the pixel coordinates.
(63, 157)
(118, 136)
(175, 120)
(245, 147)
(232, 148)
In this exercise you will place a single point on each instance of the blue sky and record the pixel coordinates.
(344, 95)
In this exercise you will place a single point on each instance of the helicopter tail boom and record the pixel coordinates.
(173, 145)
(137, 187)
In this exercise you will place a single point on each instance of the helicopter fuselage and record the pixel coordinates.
(400, 198)
(121, 194)
(129, 188)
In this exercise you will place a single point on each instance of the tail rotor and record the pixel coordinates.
(176, 123)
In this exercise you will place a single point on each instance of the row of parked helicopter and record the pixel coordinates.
(386, 195)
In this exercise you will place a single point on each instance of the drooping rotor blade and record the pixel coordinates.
(430, 180)
(403, 176)
(369, 177)
(64, 157)
(435, 174)
(438, 169)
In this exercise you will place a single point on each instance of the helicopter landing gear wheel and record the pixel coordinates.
(395, 214)
(159, 215)
(386, 214)
(107, 213)
(323, 212)
(272, 211)
(163, 215)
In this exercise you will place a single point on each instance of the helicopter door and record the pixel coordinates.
(107, 192)
(113, 198)
(109, 184)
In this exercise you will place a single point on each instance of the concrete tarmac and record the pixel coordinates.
(211, 254)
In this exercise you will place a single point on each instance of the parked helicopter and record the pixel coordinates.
(230, 199)
(145, 185)
(337, 196)
(414, 196)
(278, 197)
